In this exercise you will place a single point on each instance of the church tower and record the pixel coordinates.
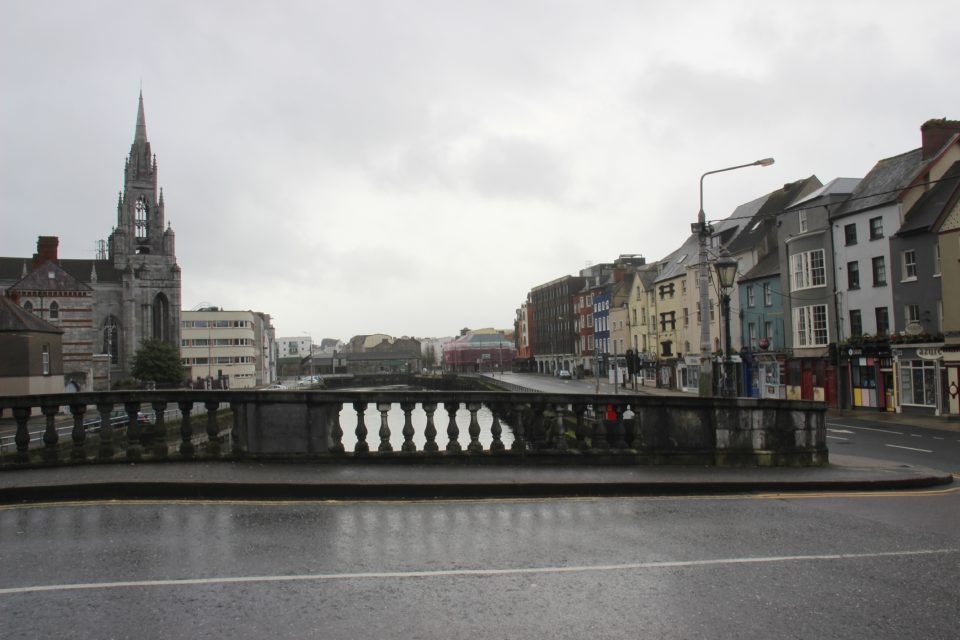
(142, 253)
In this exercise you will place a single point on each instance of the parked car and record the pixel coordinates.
(564, 373)
(276, 387)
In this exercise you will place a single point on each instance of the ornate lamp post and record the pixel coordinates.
(703, 230)
(726, 273)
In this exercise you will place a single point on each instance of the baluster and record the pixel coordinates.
(453, 432)
(538, 428)
(336, 435)
(213, 429)
(430, 433)
(105, 452)
(408, 444)
(474, 428)
(579, 410)
(515, 417)
(79, 433)
(599, 426)
(495, 429)
(50, 436)
(22, 438)
(158, 437)
(186, 429)
(637, 442)
(361, 431)
(134, 447)
(384, 409)
(619, 436)
(559, 432)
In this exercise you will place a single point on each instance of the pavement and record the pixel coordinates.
(317, 481)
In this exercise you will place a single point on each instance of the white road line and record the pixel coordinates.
(838, 438)
(896, 446)
(937, 438)
(914, 435)
(318, 577)
(840, 430)
(850, 426)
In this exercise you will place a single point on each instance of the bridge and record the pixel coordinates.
(449, 424)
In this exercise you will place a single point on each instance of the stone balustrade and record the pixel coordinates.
(416, 426)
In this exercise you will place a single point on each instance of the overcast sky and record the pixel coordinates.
(414, 167)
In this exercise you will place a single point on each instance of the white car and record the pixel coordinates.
(276, 387)
(565, 374)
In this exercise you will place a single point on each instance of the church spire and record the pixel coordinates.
(141, 133)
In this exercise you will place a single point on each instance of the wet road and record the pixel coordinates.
(858, 566)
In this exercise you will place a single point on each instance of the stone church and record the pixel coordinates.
(107, 306)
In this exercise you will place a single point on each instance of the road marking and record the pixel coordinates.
(839, 438)
(896, 446)
(840, 430)
(937, 438)
(469, 573)
(914, 435)
(850, 426)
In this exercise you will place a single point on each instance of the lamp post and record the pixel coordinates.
(703, 230)
(726, 273)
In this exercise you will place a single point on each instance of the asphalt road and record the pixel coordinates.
(886, 440)
(761, 566)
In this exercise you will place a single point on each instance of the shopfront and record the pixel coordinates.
(869, 369)
(922, 379)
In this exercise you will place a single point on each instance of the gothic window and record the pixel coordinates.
(28, 306)
(161, 317)
(140, 218)
(111, 339)
(54, 310)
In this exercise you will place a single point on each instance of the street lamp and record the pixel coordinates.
(703, 230)
(726, 273)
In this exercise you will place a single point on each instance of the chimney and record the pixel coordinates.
(936, 133)
(46, 250)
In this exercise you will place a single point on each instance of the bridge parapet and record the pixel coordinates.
(402, 426)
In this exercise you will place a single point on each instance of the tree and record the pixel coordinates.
(158, 361)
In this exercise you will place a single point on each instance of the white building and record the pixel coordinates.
(295, 347)
(217, 344)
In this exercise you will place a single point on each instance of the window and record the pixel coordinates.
(683, 286)
(752, 334)
(712, 318)
(28, 306)
(140, 218)
(856, 322)
(54, 310)
(850, 234)
(767, 295)
(879, 272)
(750, 299)
(810, 326)
(699, 315)
(911, 313)
(686, 317)
(909, 265)
(876, 228)
(768, 330)
(802, 220)
(46, 359)
(936, 260)
(807, 269)
(883, 321)
(668, 318)
(666, 349)
(853, 275)
(918, 382)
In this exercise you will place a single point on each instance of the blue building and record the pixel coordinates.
(762, 330)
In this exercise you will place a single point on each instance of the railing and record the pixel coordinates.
(424, 426)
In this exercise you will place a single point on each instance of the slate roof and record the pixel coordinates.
(883, 184)
(836, 187)
(14, 318)
(49, 277)
(773, 204)
(768, 266)
(924, 214)
(11, 269)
